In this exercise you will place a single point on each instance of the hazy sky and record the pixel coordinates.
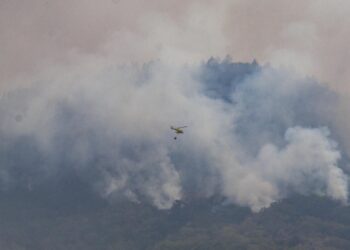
(310, 36)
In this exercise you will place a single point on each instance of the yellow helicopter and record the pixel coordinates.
(178, 130)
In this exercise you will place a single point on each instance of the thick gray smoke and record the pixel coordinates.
(255, 135)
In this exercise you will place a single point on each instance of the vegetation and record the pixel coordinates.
(28, 221)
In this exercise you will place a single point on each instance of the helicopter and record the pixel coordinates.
(178, 130)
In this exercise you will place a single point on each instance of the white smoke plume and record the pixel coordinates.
(254, 138)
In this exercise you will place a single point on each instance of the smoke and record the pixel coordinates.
(307, 164)
(255, 134)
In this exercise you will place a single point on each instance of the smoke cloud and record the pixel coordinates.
(255, 134)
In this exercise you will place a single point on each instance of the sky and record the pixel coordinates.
(309, 37)
(90, 89)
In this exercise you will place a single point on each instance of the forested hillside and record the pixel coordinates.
(30, 222)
